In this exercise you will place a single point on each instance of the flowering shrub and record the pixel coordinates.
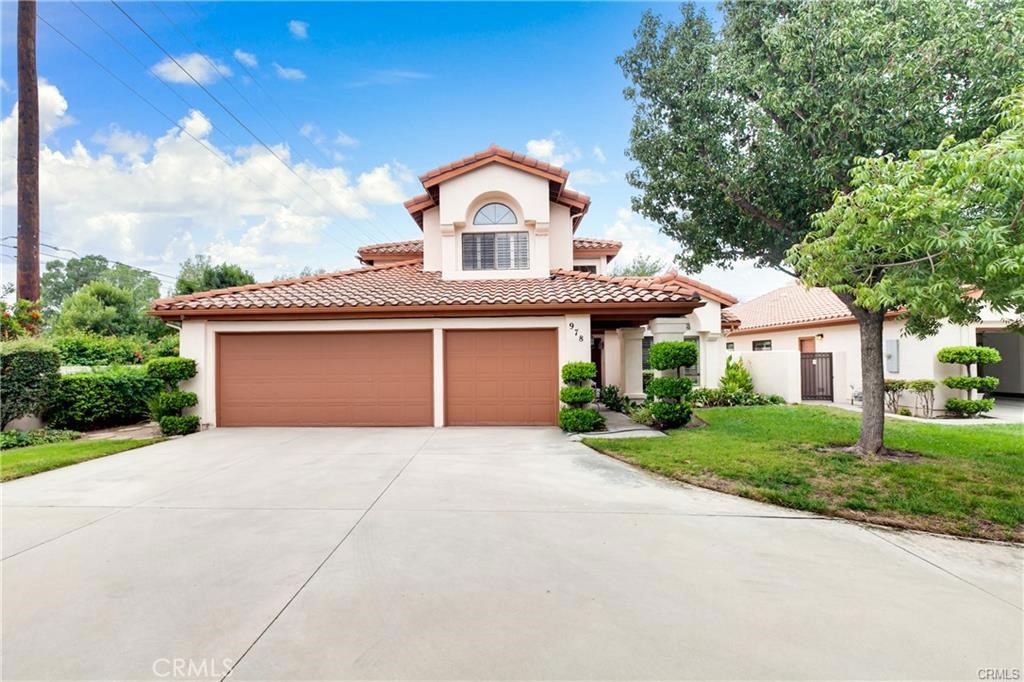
(18, 320)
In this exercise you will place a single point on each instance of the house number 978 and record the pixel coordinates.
(576, 332)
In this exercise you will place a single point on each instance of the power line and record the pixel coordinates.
(158, 275)
(228, 111)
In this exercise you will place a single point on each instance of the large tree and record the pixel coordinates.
(741, 135)
(642, 265)
(201, 274)
(913, 232)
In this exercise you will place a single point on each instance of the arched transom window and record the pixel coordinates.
(495, 214)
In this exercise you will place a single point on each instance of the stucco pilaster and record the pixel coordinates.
(631, 340)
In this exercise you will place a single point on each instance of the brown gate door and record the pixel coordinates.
(325, 379)
(501, 377)
(816, 376)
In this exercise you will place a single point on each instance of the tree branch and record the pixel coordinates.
(754, 212)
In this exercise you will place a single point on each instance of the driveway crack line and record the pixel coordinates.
(327, 558)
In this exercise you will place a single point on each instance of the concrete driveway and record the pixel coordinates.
(468, 554)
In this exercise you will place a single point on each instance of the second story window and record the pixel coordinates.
(495, 214)
(495, 251)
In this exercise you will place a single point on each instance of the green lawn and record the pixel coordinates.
(19, 462)
(968, 480)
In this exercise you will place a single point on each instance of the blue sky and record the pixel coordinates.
(358, 99)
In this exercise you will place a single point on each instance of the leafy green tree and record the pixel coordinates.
(642, 265)
(912, 233)
(307, 271)
(742, 135)
(100, 308)
(201, 274)
(61, 279)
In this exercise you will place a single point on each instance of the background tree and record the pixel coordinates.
(912, 233)
(200, 274)
(642, 265)
(307, 271)
(741, 136)
(61, 279)
(99, 308)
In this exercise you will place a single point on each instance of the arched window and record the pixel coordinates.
(495, 214)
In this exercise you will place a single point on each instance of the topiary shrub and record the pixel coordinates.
(578, 372)
(577, 396)
(670, 415)
(29, 372)
(737, 377)
(648, 375)
(171, 370)
(99, 399)
(666, 355)
(894, 392)
(669, 409)
(171, 403)
(924, 391)
(179, 425)
(84, 348)
(669, 387)
(580, 420)
(969, 356)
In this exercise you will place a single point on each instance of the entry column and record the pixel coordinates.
(632, 342)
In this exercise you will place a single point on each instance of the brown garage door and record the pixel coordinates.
(325, 379)
(506, 376)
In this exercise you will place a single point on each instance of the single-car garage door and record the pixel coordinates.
(325, 379)
(501, 376)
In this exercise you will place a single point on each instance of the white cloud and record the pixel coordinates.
(554, 149)
(743, 280)
(3, 86)
(389, 77)
(345, 140)
(588, 176)
(246, 59)
(123, 142)
(598, 154)
(289, 74)
(298, 29)
(153, 204)
(53, 115)
(204, 69)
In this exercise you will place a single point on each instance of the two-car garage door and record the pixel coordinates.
(386, 378)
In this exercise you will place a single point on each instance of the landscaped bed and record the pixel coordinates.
(967, 480)
(19, 462)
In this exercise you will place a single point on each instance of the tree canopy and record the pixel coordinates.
(101, 308)
(642, 265)
(201, 274)
(940, 233)
(742, 135)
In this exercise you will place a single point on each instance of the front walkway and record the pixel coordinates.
(468, 554)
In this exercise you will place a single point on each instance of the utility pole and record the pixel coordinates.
(28, 154)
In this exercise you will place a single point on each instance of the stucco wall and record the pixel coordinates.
(431, 240)
(775, 372)
(198, 341)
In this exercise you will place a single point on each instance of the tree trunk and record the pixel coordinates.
(872, 373)
(28, 154)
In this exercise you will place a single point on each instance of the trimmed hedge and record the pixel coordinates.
(672, 354)
(99, 399)
(178, 425)
(720, 397)
(83, 348)
(969, 408)
(969, 355)
(669, 387)
(969, 383)
(578, 372)
(579, 420)
(29, 372)
(171, 370)
(577, 396)
(171, 403)
(670, 415)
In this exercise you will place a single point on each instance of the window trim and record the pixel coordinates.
(754, 344)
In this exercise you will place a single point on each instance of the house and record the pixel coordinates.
(804, 344)
(468, 325)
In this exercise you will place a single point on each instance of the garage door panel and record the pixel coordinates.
(507, 376)
(325, 379)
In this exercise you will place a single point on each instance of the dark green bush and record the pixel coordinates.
(29, 371)
(905, 412)
(985, 384)
(737, 377)
(648, 375)
(969, 355)
(577, 396)
(672, 354)
(670, 415)
(171, 403)
(612, 398)
(165, 346)
(579, 420)
(669, 387)
(968, 408)
(176, 425)
(171, 370)
(719, 397)
(20, 439)
(578, 372)
(83, 348)
(99, 399)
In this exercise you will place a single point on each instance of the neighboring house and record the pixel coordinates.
(793, 321)
(468, 325)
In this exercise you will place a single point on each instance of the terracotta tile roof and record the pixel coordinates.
(790, 305)
(405, 287)
(729, 319)
(708, 292)
(413, 247)
(587, 243)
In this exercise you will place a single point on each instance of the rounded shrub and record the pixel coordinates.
(969, 355)
(29, 373)
(670, 415)
(169, 403)
(579, 420)
(577, 396)
(669, 387)
(84, 348)
(171, 370)
(95, 400)
(578, 372)
(672, 354)
(175, 425)
(968, 408)
(969, 383)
